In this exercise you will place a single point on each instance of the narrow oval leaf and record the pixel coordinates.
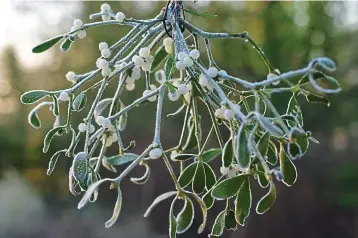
(208, 199)
(294, 109)
(33, 96)
(243, 202)
(66, 44)
(116, 210)
(187, 175)
(80, 102)
(183, 157)
(205, 15)
(261, 177)
(47, 44)
(287, 167)
(230, 221)
(34, 119)
(272, 154)
(266, 201)
(210, 154)
(198, 184)
(210, 177)
(123, 119)
(101, 106)
(185, 216)
(204, 212)
(159, 199)
(228, 187)
(312, 98)
(49, 136)
(219, 225)
(269, 126)
(80, 166)
(242, 152)
(263, 143)
(53, 161)
(144, 178)
(169, 66)
(228, 154)
(172, 221)
(159, 56)
(121, 159)
(191, 141)
(294, 151)
(55, 106)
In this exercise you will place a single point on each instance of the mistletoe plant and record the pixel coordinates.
(262, 144)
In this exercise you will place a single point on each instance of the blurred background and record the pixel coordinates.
(323, 202)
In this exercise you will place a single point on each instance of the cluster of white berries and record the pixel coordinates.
(135, 75)
(102, 63)
(224, 113)
(168, 45)
(106, 10)
(144, 59)
(182, 89)
(77, 24)
(230, 171)
(155, 153)
(82, 127)
(105, 122)
(212, 73)
(64, 96)
(71, 76)
(148, 91)
(185, 60)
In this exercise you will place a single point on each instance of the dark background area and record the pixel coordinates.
(323, 202)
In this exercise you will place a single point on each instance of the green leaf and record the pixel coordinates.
(101, 106)
(187, 176)
(49, 136)
(159, 199)
(53, 161)
(33, 96)
(185, 216)
(47, 44)
(298, 136)
(169, 66)
(210, 154)
(172, 221)
(34, 119)
(294, 109)
(228, 187)
(116, 210)
(269, 126)
(198, 184)
(66, 44)
(205, 15)
(263, 143)
(144, 178)
(287, 167)
(204, 212)
(80, 166)
(123, 119)
(121, 159)
(230, 222)
(159, 56)
(209, 176)
(80, 102)
(228, 154)
(242, 152)
(55, 106)
(219, 225)
(312, 98)
(208, 199)
(261, 177)
(266, 201)
(191, 141)
(294, 151)
(183, 157)
(272, 154)
(243, 202)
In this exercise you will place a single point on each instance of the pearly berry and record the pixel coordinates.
(203, 80)
(130, 87)
(148, 91)
(135, 75)
(120, 16)
(71, 76)
(224, 170)
(105, 7)
(169, 49)
(183, 89)
(212, 72)
(137, 60)
(188, 62)
(92, 129)
(105, 122)
(77, 23)
(102, 46)
(229, 114)
(136, 69)
(149, 59)
(64, 96)
(81, 34)
(146, 67)
(106, 72)
(231, 173)
(271, 76)
(223, 72)
(219, 113)
(102, 64)
(179, 65)
(82, 127)
(160, 76)
(194, 54)
(144, 52)
(106, 53)
(106, 18)
(173, 96)
(210, 86)
(129, 80)
(181, 56)
(168, 41)
(155, 153)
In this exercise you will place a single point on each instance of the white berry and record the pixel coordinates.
(181, 56)
(224, 170)
(137, 60)
(203, 80)
(82, 127)
(106, 18)
(130, 87)
(155, 153)
(179, 65)
(135, 75)
(188, 62)
(120, 16)
(271, 76)
(183, 89)
(168, 41)
(105, 122)
(149, 59)
(92, 129)
(102, 64)
(77, 23)
(169, 49)
(129, 80)
(231, 173)
(146, 67)
(82, 34)
(136, 69)
(71, 76)
(212, 72)
(219, 113)
(102, 46)
(106, 53)
(195, 54)
(144, 52)
(64, 96)
(229, 114)
(173, 96)
(106, 72)
(105, 7)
